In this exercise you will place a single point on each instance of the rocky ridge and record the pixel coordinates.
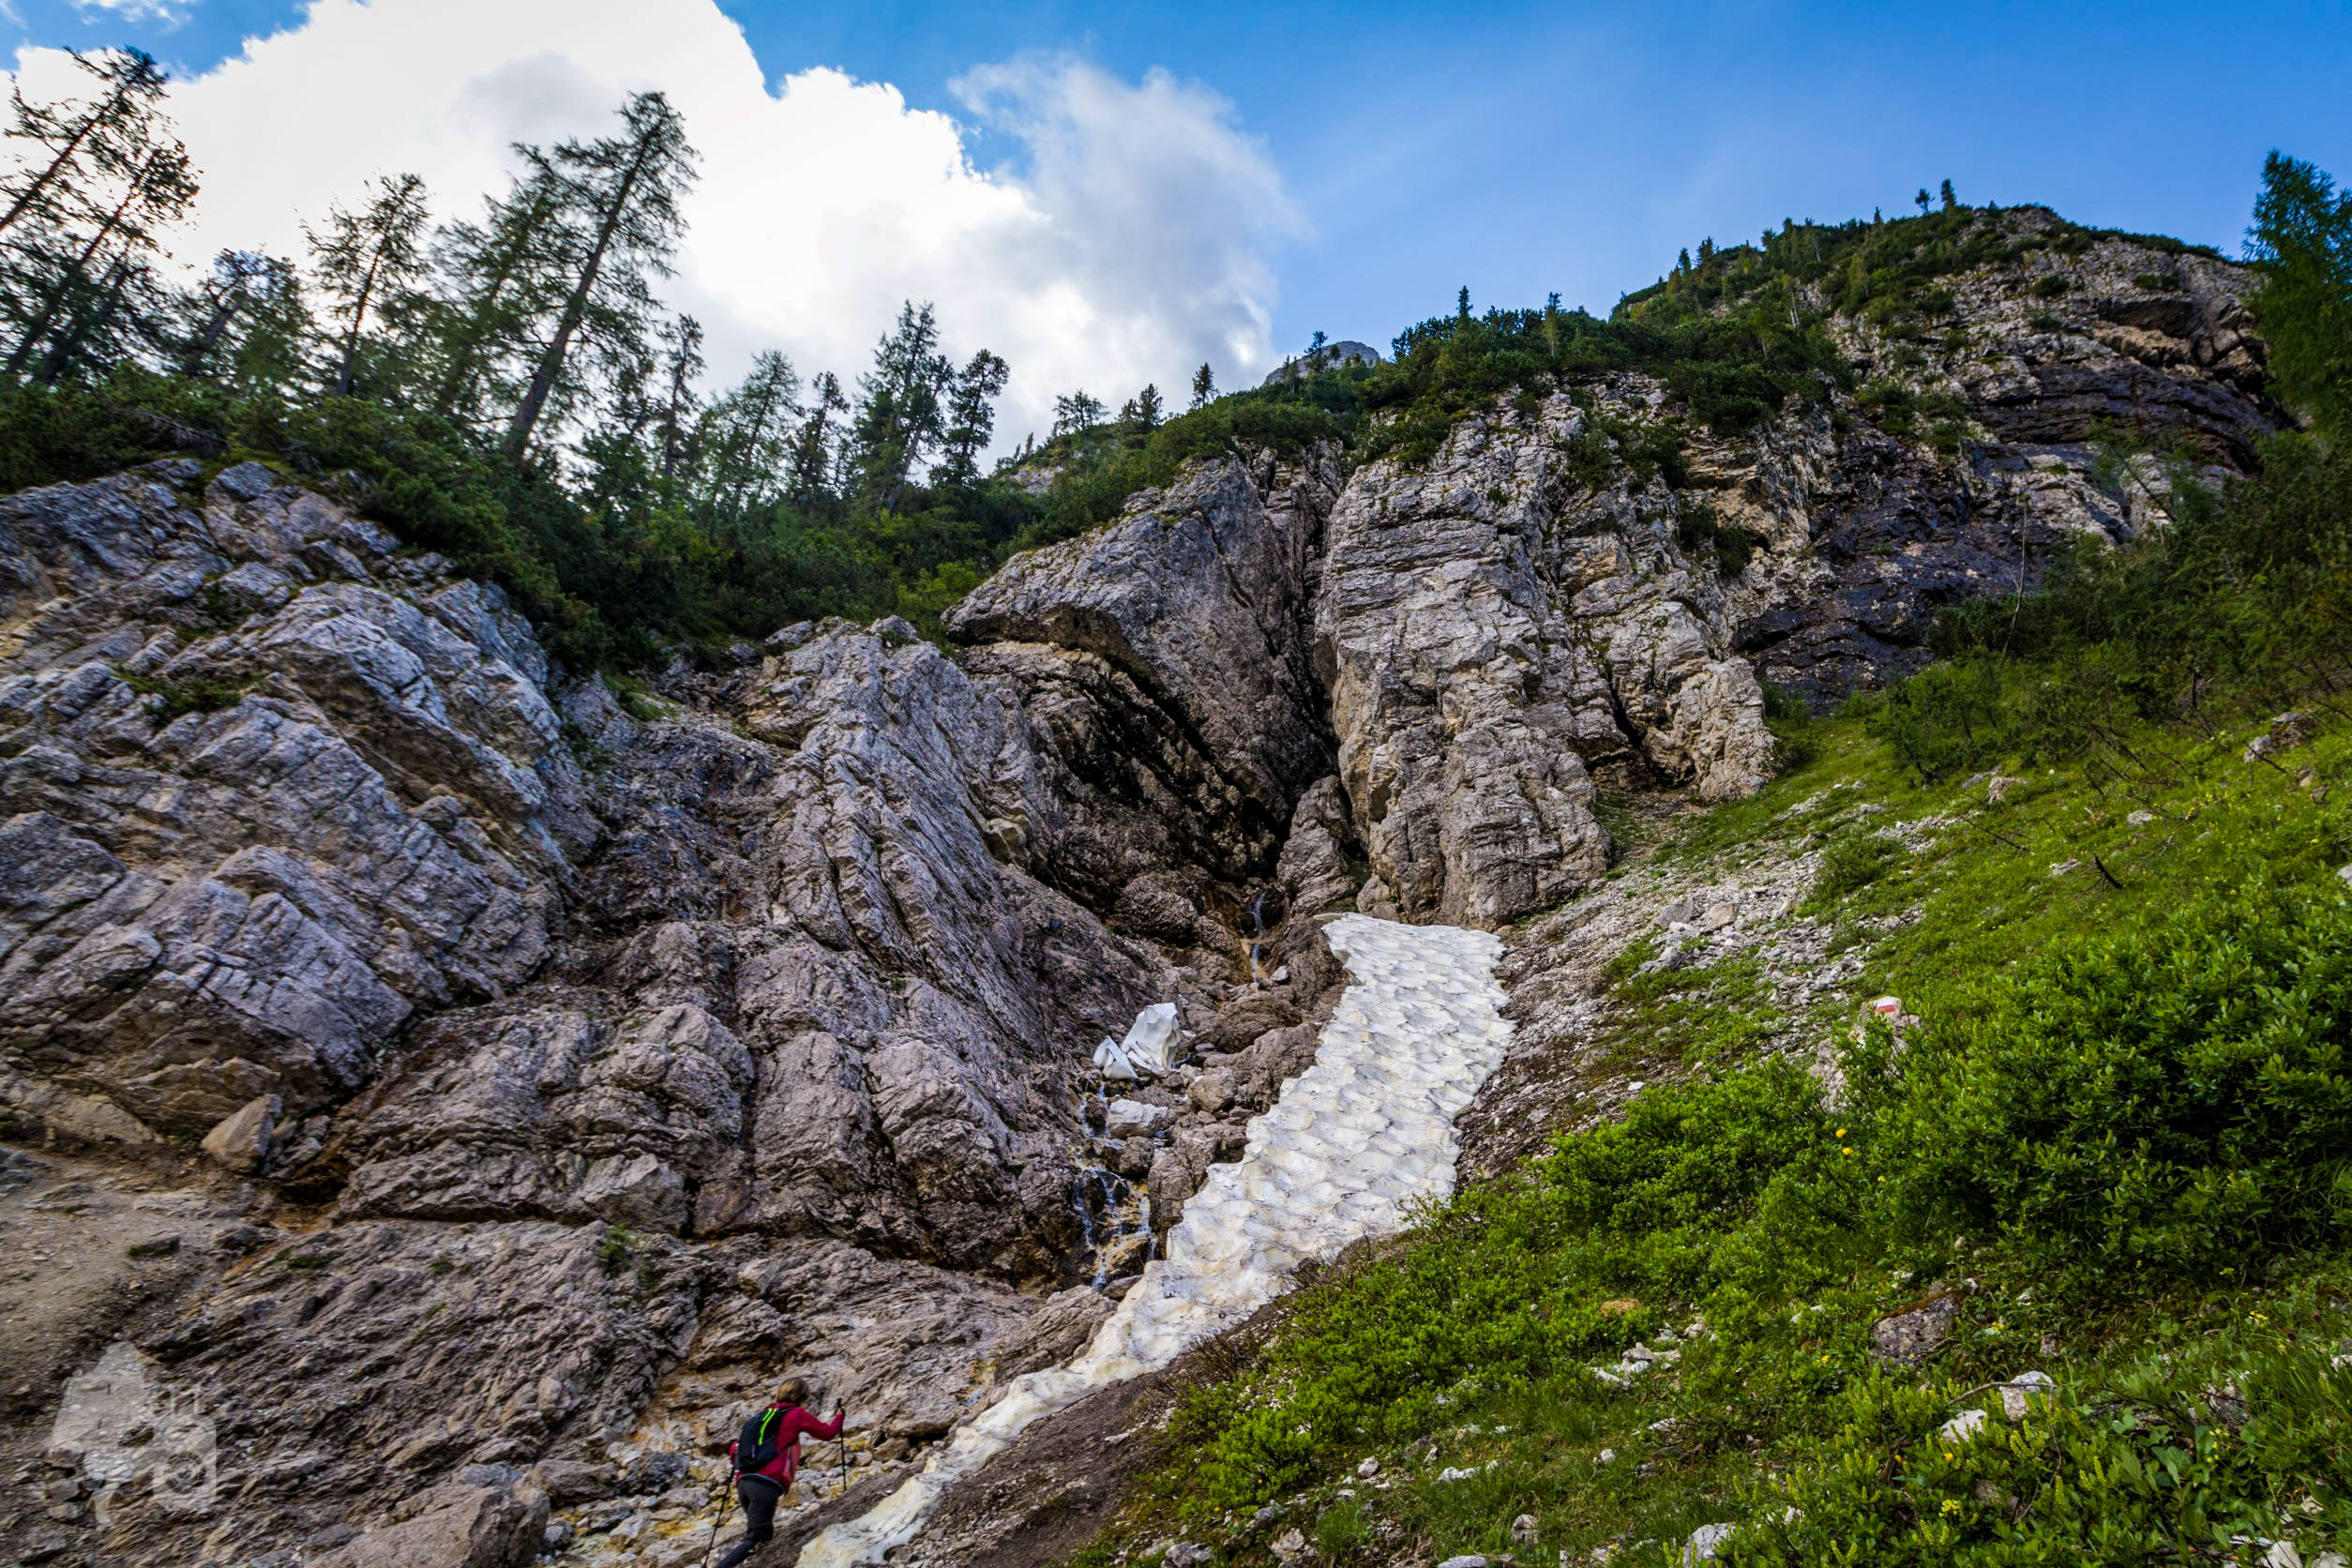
(505, 1073)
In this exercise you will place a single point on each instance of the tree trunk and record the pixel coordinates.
(200, 349)
(81, 268)
(358, 315)
(48, 175)
(62, 354)
(551, 366)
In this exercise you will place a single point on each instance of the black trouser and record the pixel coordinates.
(759, 1496)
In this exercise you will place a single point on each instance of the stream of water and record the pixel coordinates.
(1349, 1147)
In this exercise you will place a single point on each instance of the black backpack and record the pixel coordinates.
(758, 1447)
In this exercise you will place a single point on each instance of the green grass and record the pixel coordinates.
(2121, 1112)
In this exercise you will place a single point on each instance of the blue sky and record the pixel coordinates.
(1529, 149)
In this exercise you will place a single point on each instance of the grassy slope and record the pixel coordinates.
(1479, 1331)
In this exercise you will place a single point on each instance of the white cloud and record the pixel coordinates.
(1128, 242)
(138, 10)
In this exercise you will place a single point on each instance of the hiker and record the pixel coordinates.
(766, 1458)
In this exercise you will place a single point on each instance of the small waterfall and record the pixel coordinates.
(1114, 1214)
(1354, 1144)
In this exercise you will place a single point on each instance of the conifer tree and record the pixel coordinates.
(244, 325)
(1204, 386)
(76, 144)
(1075, 414)
(681, 363)
(747, 435)
(971, 418)
(366, 257)
(810, 466)
(900, 412)
(495, 280)
(1949, 199)
(89, 256)
(2300, 244)
(617, 209)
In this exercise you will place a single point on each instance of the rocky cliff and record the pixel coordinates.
(411, 1049)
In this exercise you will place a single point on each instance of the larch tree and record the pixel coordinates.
(746, 435)
(65, 275)
(681, 364)
(1204, 386)
(901, 413)
(617, 206)
(497, 279)
(2300, 244)
(809, 468)
(362, 258)
(76, 141)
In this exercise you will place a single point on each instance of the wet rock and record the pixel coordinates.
(1240, 1021)
(1314, 864)
(1127, 1118)
(1272, 1059)
(1059, 1331)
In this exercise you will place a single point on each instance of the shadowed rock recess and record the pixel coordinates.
(412, 1050)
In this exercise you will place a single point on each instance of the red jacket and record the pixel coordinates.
(790, 1424)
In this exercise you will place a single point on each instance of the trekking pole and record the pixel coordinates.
(726, 1504)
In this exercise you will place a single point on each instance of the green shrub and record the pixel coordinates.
(1796, 732)
(1735, 1187)
(1704, 538)
(1949, 718)
(201, 694)
(2155, 1099)
(2050, 286)
(1850, 864)
(615, 1248)
(2144, 1467)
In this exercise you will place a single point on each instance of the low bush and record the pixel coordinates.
(2147, 1101)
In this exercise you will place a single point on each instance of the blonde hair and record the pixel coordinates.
(793, 1391)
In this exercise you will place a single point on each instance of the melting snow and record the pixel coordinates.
(1352, 1144)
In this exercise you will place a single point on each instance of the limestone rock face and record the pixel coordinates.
(1330, 357)
(1163, 660)
(1494, 633)
(451, 1527)
(610, 1063)
(271, 788)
